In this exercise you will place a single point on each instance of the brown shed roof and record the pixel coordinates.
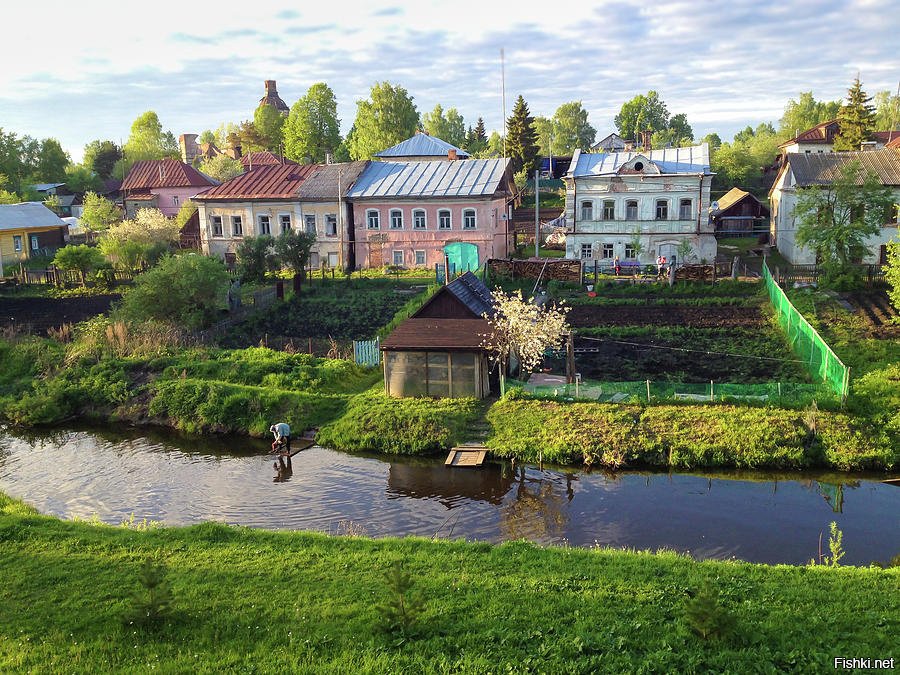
(281, 181)
(160, 173)
(438, 334)
(824, 168)
(322, 186)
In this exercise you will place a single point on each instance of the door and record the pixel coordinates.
(462, 257)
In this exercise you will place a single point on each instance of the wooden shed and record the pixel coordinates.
(740, 214)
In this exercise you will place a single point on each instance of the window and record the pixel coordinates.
(629, 251)
(373, 220)
(332, 259)
(398, 258)
(17, 243)
(35, 244)
(631, 211)
(662, 209)
(237, 226)
(608, 252)
(216, 222)
(685, 207)
(285, 220)
(609, 210)
(587, 210)
(420, 257)
(444, 221)
(396, 219)
(265, 226)
(175, 200)
(418, 219)
(469, 219)
(310, 221)
(587, 252)
(330, 225)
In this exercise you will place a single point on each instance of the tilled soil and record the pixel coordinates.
(36, 315)
(587, 316)
(876, 309)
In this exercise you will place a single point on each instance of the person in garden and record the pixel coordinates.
(617, 265)
(282, 433)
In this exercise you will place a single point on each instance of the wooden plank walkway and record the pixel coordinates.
(306, 441)
(466, 455)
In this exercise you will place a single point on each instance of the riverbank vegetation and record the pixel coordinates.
(236, 598)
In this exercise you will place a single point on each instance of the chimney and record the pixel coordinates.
(270, 88)
(451, 154)
(189, 147)
(328, 158)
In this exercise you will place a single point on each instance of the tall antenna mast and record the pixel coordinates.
(503, 96)
(893, 113)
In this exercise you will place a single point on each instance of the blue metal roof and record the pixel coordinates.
(463, 178)
(421, 145)
(694, 159)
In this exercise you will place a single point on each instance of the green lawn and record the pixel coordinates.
(254, 601)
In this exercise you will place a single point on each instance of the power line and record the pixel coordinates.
(694, 351)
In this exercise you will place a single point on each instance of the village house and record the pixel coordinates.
(639, 205)
(801, 170)
(422, 148)
(439, 350)
(163, 184)
(738, 213)
(29, 229)
(416, 214)
(612, 143)
(820, 139)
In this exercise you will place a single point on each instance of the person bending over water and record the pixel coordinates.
(282, 433)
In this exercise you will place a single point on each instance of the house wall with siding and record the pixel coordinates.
(48, 237)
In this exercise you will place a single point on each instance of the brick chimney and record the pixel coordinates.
(271, 90)
(451, 154)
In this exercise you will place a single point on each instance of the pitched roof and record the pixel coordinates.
(885, 137)
(421, 145)
(27, 214)
(694, 159)
(824, 132)
(322, 185)
(470, 291)
(43, 187)
(469, 178)
(161, 173)
(433, 334)
(895, 143)
(281, 181)
(730, 198)
(824, 168)
(264, 158)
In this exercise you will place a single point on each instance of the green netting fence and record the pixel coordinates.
(821, 361)
(789, 394)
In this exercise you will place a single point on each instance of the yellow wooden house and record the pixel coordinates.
(27, 230)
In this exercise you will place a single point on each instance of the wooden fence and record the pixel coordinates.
(58, 277)
(553, 269)
(872, 275)
(367, 352)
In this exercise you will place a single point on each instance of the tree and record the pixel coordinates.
(101, 157)
(677, 134)
(142, 241)
(388, 117)
(805, 113)
(522, 329)
(742, 162)
(571, 130)
(187, 209)
(476, 139)
(80, 178)
(148, 140)
(52, 203)
(293, 250)
(51, 164)
(835, 220)
(269, 122)
(225, 134)
(222, 168)
(713, 141)
(99, 212)
(255, 256)
(521, 138)
(642, 113)
(543, 129)
(857, 117)
(313, 130)
(207, 136)
(83, 258)
(188, 290)
(448, 127)
(892, 274)
(250, 138)
(887, 111)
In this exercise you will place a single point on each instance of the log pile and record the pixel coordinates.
(695, 273)
(556, 270)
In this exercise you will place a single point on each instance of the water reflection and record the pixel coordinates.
(155, 475)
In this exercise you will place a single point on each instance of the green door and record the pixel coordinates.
(462, 257)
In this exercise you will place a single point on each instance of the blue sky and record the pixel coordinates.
(79, 71)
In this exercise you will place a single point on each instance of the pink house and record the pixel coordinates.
(413, 214)
(164, 184)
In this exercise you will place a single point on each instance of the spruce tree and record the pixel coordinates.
(857, 118)
(480, 135)
(521, 138)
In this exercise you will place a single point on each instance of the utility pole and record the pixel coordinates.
(503, 97)
(537, 211)
(340, 219)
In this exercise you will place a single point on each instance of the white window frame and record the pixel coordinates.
(587, 252)
(629, 248)
(331, 219)
(608, 251)
(395, 219)
(331, 255)
(34, 242)
(419, 215)
(637, 209)
(441, 213)
(466, 215)
(215, 223)
(587, 209)
(611, 203)
(264, 224)
(17, 243)
(237, 226)
(373, 219)
(664, 205)
(419, 254)
(309, 223)
(285, 222)
(394, 258)
(175, 200)
(686, 203)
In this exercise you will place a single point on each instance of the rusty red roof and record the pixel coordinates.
(281, 181)
(264, 158)
(895, 143)
(438, 334)
(824, 132)
(162, 173)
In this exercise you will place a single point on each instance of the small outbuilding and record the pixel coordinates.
(440, 350)
(739, 213)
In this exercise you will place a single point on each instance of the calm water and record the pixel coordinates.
(164, 477)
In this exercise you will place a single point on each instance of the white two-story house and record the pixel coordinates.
(638, 205)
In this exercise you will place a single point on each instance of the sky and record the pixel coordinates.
(85, 70)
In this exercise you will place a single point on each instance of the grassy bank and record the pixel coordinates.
(244, 600)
